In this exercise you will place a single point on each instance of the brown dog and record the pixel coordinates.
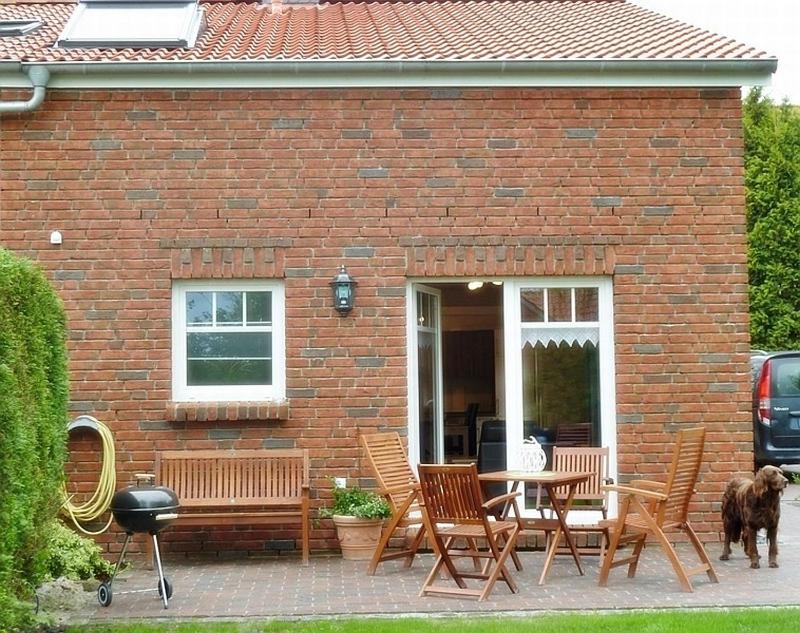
(748, 506)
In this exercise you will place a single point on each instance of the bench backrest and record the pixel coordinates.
(234, 477)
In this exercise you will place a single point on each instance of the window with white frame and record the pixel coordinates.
(227, 341)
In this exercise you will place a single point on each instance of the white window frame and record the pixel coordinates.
(181, 392)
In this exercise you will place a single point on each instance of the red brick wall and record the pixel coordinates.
(149, 186)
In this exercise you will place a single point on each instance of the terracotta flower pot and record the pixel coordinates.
(357, 537)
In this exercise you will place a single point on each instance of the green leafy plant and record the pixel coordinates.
(70, 555)
(358, 503)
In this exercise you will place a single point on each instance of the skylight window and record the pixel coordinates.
(133, 24)
(18, 27)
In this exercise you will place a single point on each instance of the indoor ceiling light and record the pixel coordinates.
(474, 285)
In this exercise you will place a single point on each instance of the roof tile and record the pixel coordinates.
(402, 30)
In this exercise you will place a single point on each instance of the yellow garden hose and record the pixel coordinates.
(101, 499)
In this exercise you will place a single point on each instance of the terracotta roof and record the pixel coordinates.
(434, 30)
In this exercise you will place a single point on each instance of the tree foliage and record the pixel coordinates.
(772, 179)
(33, 425)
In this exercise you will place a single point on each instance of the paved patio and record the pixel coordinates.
(330, 586)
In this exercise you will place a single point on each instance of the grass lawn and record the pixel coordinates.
(772, 620)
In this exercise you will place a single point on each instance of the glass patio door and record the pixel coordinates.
(426, 375)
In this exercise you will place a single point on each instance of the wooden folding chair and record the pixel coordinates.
(453, 509)
(398, 484)
(650, 508)
(589, 511)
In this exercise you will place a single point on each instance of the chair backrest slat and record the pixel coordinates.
(683, 473)
(389, 462)
(584, 460)
(451, 493)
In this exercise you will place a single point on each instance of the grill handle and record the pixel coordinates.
(145, 478)
(166, 516)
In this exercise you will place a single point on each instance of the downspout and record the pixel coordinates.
(39, 76)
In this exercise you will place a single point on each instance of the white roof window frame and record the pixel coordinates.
(16, 28)
(139, 24)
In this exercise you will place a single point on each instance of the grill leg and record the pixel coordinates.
(161, 582)
(121, 558)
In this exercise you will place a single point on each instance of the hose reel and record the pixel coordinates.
(100, 501)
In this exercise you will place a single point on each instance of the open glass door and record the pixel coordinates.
(426, 373)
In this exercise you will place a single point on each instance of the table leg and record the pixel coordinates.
(561, 514)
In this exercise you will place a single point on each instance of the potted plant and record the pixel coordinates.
(358, 516)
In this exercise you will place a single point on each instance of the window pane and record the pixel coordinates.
(229, 372)
(586, 304)
(229, 308)
(559, 305)
(561, 387)
(787, 377)
(198, 308)
(532, 303)
(229, 345)
(259, 308)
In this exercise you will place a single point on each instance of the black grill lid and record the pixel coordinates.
(145, 498)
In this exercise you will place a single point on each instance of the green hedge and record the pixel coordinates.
(772, 180)
(33, 426)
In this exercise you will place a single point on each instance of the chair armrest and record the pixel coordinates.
(409, 487)
(632, 490)
(509, 496)
(647, 484)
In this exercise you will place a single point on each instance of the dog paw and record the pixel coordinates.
(754, 565)
(773, 563)
(724, 557)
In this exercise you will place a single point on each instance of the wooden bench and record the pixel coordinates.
(238, 487)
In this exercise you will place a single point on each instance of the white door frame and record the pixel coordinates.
(413, 373)
(513, 360)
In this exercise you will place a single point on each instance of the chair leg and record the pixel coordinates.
(379, 549)
(616, 535)
(640, 542)
(500, 565)
(672, 556)
(701, 553)
(412, 550)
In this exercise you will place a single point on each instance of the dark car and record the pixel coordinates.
(776, 407)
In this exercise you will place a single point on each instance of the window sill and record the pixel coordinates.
(269, 410)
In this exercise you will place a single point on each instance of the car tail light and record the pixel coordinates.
(764, 405)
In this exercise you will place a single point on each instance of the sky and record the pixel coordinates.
(769, 25)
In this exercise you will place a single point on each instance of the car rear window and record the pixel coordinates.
(786, 377)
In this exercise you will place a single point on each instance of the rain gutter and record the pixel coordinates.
(410, 73)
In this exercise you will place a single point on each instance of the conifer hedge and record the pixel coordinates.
(33, 427)
(772, 179)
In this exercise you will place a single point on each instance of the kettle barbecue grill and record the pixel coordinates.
(148, 509)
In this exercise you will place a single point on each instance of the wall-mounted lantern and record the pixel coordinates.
(344, 291)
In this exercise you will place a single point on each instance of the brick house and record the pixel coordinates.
(541, 202)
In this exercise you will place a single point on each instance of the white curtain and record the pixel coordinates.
(558, 335)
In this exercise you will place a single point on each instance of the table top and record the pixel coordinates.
(542, 477)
